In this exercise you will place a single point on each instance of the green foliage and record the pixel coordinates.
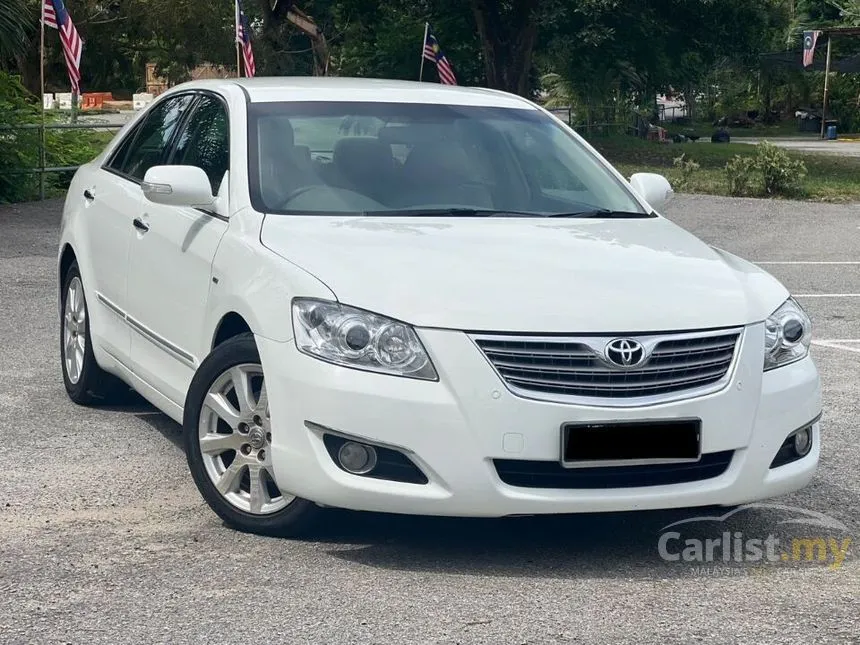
(739, 173)
(16, 21)
(829, 178)
(19, 149)
(771, 172)
(686, 168)
(842, 101)
(781, 175)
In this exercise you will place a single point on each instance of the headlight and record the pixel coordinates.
(787, 335)
(359, 339)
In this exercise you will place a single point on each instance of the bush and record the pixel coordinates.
(739, 172)
(781, 175)
(770, 172)
(19, 149)
(686, 169)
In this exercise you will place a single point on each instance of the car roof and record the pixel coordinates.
(329, 88)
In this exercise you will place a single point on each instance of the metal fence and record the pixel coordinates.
(43, 169)
(672, 112)
(620, 122)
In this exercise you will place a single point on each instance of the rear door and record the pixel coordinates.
(170, 264)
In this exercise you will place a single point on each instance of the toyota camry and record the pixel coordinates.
(414, 298)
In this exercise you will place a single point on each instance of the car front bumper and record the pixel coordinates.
(455, 428)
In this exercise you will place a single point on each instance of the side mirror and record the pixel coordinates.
(653, 188)
(177, 186)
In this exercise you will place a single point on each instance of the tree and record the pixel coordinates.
(15, 26)
(508, 32)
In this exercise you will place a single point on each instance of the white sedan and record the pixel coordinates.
(412, 298)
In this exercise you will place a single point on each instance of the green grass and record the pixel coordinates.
(830, 178)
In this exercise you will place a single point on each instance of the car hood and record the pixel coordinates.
(527, 274)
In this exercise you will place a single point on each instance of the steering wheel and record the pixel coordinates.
(369, 204)
(295, 193)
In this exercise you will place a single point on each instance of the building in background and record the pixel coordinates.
(155, 84)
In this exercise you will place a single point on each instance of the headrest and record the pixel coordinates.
(363, 152)
(431, 159)
(275, 131)
(302, 153)
(411, 134)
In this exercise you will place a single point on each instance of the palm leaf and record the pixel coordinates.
(16, 24)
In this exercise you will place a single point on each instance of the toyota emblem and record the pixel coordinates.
(625, 352)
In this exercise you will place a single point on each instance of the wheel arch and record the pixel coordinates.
(230, 325)
(67, 257)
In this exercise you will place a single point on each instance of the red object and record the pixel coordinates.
(95, 100)
(656, 133)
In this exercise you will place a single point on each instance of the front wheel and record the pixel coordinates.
(228, 434)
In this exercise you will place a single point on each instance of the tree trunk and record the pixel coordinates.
(507, 42)
(690, 100)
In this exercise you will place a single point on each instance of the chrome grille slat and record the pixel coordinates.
(598, 368)
(576, 366)
(621, 386)
(585, 356)
(515, 351)
(694, 350)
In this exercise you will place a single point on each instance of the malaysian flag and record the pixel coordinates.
(810, 38)
(433, 52)
(54, 15)
(243, 37)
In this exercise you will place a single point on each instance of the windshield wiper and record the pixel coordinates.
(602, 212)
(489, 212)
(453, 212)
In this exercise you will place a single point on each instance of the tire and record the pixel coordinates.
(237, 437)
(86, 383)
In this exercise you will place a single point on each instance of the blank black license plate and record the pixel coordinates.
(628, 443)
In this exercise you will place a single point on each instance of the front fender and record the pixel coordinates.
(254, 282)
(764, 292)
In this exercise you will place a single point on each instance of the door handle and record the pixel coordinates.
(89, 195)
(140, 225)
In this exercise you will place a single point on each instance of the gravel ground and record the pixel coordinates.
(106, 540)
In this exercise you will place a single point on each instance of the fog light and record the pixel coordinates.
(803, 441)
(356, 458)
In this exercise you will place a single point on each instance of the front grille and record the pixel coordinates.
(578, 367)
(551, 474)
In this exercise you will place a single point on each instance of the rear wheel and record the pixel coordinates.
(86, 383)
(228, 436)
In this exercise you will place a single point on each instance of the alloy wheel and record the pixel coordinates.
(74, 330)
(235, 437)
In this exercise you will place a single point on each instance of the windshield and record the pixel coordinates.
(332, 158)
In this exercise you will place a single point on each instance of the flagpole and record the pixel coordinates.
(423, 43)
(42, 156)
(826, 86)
(236, 38)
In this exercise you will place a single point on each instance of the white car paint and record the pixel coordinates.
(527, 274)
(157, 299)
